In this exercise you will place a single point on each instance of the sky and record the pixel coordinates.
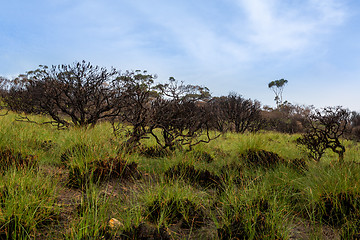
(226, 45)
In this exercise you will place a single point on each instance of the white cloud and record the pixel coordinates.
(199, 39)
(262, 28)
(274, 26)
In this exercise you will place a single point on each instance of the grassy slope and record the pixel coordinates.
(281, 202)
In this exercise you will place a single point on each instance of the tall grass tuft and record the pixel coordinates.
(93, 214)
(27, 203)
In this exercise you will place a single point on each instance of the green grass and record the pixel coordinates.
(28, 203)
(38, 201)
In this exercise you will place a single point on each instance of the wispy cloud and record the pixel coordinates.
(274, 26)
(260, 27)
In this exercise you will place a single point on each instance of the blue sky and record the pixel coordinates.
(226, 45)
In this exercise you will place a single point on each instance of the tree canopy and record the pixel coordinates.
(278, 87)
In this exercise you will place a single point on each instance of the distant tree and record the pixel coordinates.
(176, 90)
(324, 131)
(355, 119)
(3, 91)
(3, 83)
(288, 118)
(243, 114)
(278, 87)
(355, 125)
(79, 94)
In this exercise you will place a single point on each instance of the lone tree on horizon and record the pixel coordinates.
(278, 87)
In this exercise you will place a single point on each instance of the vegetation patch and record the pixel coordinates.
(203, 156)
(146, 231)
(350, 230)
(154, 152)
(299, 164)
(27, 203)
(188, 173)
(241, 225)
(91, 221)
(175, 211)
(10, 158)
(102, 170)
(234, 172)
(79, 150)
(44, 145)
(337, 209)
(236, 229)
(261, 158)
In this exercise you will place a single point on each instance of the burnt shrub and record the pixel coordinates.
(10, 158)
(78, 150)
(237, 113)
(77, 94)
(337, 209)
(188, 173)
(180, 116)
(145, 231)
(102, 170)
(176, 211)
(324, 131)
(261, 158)
(154, 152)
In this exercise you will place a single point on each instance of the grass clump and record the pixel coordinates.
(261, 158)
(79, 150)
(233, 172)
(255, 219)
(179, 208)
(81, 173)
(27, 204)
(176, 211)
(153, 152)
(203, 156)
(146, 231)
(337, 209)
(92, 215)
(10, 158)
(299, 165)
(188, 173)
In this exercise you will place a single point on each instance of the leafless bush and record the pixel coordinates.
(237, 113)
(324, 130)
(180, 117)
(72, 95)
(134, 116)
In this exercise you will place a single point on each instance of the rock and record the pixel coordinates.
(114, 223)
